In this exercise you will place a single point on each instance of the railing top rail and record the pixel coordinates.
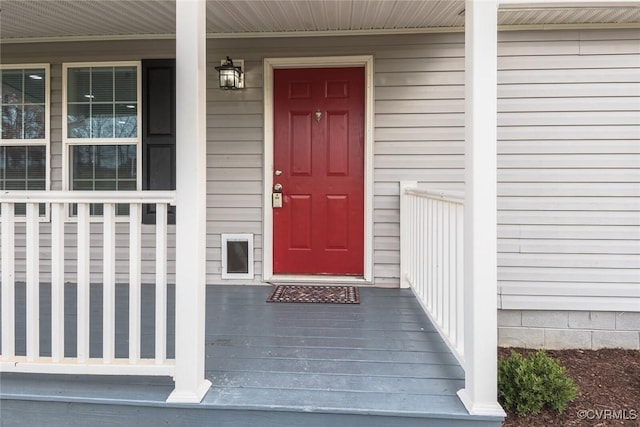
(444, 195)
(168, 197)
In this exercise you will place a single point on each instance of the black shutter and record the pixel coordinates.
(159, 131)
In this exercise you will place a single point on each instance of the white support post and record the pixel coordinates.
(8, 281)
(191, 90)
(480, 265)
(404, 232)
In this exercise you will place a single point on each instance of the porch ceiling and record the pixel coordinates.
(37, 19)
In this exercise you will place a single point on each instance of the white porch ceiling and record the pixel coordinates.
(26, 19)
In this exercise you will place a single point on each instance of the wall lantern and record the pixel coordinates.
(231, 76)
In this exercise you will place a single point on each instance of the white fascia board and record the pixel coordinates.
(537, 4)
(375, 32)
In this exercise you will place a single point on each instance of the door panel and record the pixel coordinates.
(337, 150)
(301, 222)
(319, 149)
(338, 228)
(300, 143)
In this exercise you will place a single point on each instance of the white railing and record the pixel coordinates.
(431, 258)
(58, 203)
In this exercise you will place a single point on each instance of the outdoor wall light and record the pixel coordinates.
(231, 76)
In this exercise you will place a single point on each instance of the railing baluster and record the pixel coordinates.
(429, 243)
(83, 290)
(80, 234)
(435, 241)
(8, 283)
(33, 282)
(135, 219)
(161, 282)
(445, 284)
(421, 251)
(453, 245)
(108, 283)
(414, 236)
(460, 279)
(440, 261)
(57, 281)
(416, 240)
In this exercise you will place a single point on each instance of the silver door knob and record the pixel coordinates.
(278, 172)
(277, 188)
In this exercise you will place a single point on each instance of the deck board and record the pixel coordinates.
(336, 354)
(344, 357)
(342, 382)
(345, 367)
(381, 357)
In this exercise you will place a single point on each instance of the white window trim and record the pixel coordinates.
(237, 238)
(46, 141)
(68, 142)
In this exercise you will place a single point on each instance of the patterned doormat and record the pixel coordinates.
(317, 294)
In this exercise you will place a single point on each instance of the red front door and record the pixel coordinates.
(319, 162)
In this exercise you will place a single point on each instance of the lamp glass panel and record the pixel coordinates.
(228, 78)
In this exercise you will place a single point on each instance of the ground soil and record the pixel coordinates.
(609, 395)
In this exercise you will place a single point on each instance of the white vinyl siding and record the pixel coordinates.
(407, 139)
(56, 54)
(569, 170)
(569, 150)
(568, 144)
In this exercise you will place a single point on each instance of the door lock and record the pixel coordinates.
(276, 200)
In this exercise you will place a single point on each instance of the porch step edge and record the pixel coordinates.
(143, 403)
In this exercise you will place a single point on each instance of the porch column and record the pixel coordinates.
(480, 265)
(190, 384)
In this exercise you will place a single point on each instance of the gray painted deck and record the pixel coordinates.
(379, 363)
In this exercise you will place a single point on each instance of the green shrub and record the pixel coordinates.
(526, 385)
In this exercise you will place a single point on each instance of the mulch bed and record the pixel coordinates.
(609, 379)
(315, 294)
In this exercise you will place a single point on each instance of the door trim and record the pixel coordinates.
(270, 64)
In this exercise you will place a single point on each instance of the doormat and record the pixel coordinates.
(315, 294)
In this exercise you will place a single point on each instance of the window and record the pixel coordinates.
(102, 127)
(24, 141)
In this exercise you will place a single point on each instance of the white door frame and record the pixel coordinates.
(270, 64)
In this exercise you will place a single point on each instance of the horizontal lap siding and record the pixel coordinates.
(568, 146)
(234, 161)
(56, 54)
(419, 119)
(419, 134)
(569, 166)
